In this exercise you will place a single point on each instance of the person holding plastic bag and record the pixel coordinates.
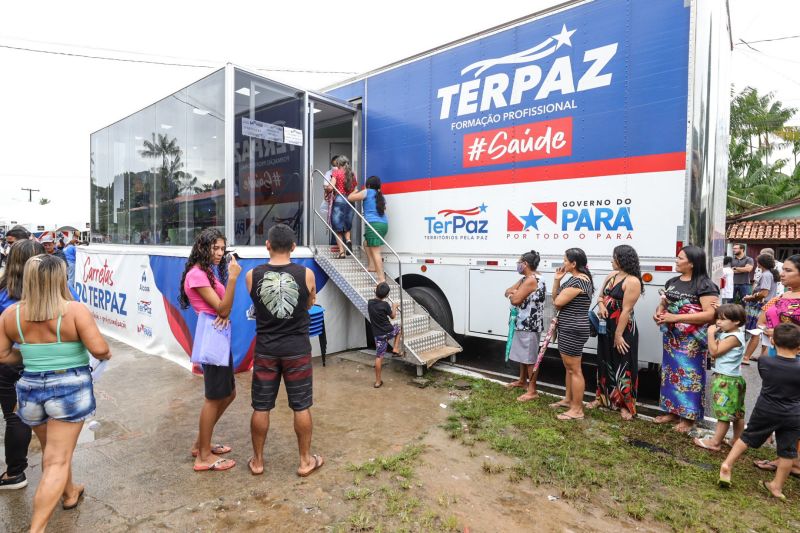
(208, 285)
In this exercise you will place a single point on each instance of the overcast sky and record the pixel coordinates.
(49, 104)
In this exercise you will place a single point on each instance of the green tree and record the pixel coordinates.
(758, 128)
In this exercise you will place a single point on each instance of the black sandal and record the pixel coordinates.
(348, 247)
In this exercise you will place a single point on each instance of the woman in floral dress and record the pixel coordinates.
(686, 309)
(618, 348)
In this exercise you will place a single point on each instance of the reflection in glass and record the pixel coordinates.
(268, 169)
(158, 176)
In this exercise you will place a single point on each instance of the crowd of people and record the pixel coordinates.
(699, 324)
(46, 338)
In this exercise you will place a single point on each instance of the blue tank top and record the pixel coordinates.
(371, 208)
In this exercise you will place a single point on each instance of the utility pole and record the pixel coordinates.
(30, 193)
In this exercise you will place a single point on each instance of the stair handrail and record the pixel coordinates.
(356, 211)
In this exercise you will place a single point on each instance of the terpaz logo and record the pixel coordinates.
(145, 307)
(458, 224)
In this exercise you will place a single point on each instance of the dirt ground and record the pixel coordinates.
(138, 474)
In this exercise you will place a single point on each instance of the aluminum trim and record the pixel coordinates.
(230, 189)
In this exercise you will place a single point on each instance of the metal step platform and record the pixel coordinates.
(424, 340)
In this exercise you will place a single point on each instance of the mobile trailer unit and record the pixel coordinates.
(592, 124)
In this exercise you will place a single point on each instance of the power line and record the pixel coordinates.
(768, 40)
(164, 63)
(87, 56)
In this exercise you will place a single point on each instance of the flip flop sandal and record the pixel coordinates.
(724, 483)
(252, 470)
(765, 484)
(218, 465)
(701, 443)
(558, 405)
(74, 505)
(378, 385)
(525, 398)
(318, 462)
(565, 416)
(766, 465)
(216, 449)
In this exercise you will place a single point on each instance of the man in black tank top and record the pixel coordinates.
(282, 293)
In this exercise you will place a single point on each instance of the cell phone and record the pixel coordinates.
(231, 252)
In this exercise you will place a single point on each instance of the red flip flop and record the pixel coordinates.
(216, 449)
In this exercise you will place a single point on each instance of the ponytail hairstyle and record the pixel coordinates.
(201, 256)
(532, 259)
(374, 183)
(628, 261)
(349, 178)
(767, 262)
(578, 256)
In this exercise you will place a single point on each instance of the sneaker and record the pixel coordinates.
(16, 482)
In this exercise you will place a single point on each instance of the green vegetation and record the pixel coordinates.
(756, 177)
(638, 469)
(386, 498)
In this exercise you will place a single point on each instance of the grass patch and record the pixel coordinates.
(635, 469)
(386, 498)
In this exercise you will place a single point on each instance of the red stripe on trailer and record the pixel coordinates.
(605, 167)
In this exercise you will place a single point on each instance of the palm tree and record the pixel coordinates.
(758, 128)
(167, 150)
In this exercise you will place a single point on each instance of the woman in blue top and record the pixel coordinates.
(55, 391)
(375, 213)
(18, 435)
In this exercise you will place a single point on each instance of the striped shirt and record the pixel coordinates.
(575, 314)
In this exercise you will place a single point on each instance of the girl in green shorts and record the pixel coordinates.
(726, 346)
(375, 214)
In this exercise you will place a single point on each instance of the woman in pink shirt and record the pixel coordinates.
(208, 286)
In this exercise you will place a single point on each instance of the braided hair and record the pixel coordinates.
(200, 256)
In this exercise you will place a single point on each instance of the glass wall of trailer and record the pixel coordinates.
(158, 175)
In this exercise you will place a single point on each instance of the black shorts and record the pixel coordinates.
(296, 372)
(762, 424)
(218, 380)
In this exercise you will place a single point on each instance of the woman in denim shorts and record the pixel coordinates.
(55, 392)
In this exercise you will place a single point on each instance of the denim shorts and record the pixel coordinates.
(341, 215)
(65, 395)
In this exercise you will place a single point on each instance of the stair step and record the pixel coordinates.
(431, 356)
(426, 341)
(414, 324)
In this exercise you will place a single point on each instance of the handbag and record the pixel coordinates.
(594, 321)
(212, 345)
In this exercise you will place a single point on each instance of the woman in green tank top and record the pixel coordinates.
(55, 336)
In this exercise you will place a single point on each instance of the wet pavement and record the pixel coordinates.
(138, 472)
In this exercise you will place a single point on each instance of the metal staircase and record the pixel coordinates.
(424, 341)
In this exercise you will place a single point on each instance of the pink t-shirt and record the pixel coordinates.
(195, 279)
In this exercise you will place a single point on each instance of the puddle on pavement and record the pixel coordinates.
(97, 429)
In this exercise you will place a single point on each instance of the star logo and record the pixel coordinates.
(483, 207)
(563, 37)
(531, 220)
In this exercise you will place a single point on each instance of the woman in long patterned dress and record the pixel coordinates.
(686, 309)
(784, 308)
(618, 348)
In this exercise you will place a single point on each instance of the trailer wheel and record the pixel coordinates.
(435, 304)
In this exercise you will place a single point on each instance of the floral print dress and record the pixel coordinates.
(683, 364)
(617, 373)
